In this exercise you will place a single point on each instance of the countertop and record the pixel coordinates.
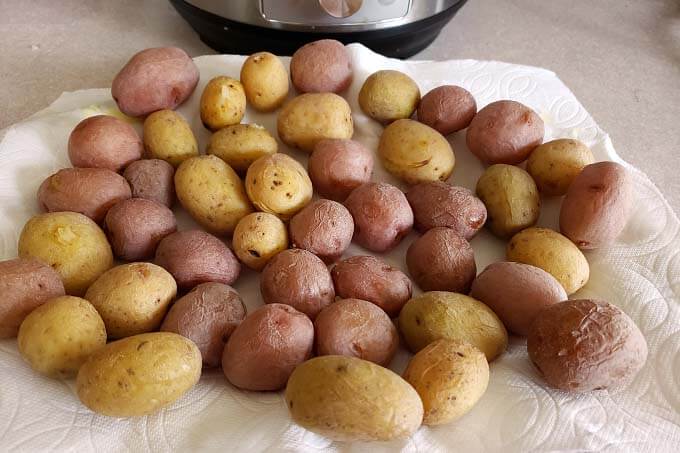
(620, 57)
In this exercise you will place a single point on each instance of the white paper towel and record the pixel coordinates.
(640, 274)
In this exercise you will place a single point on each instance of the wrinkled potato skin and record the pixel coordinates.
(154, 79)
(517, 292)
(337, 166)
(258, 237)
(138, 375)
(323, 227)
(71, 244)
(240, 145)
(223, 103)
(321, 66)
(597, 205)
(212, 193)
(104, 141)
(311, 117)
(57, 337)
(447, 109)
(555, 164)
(265, 81)
(152, 179)
(389, 95)
(414, 152)
(25, 284)
(584, 345)
(89, 191)
(349, 399)
(168, 136)
(552, 252)
(207, 315)
(439, 314)
(511, 199)
(266, 347)
(450, 376)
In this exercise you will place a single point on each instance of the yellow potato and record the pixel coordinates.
(167, 136)
(265, 81)
(241, 144)
(258, 237)
(223, 103)
(555, 164)
(389, 95)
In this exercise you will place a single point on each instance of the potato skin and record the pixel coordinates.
(104, 141)
(597, 205)
(369, 278)
(584, 345)
(323, 227)
(138, 375)
(349, 399)
(450, 376)
(194, 257)
(504, 132)
(168, 136)
(439, 204)
(297, 278)
(223, 103)
(258, 237)
(135, 227)
(552, 252)
(25, 284)
(511, 199)
(517, 292)
(441, 260)
(240, 145)
(57, 337)
(311, 117)
(154, 79)
(338, 166)
(555, 164)
(382, 216)
(265, 81)
(266, 347)
(152, 179)
(89, 191)
(71, 244)
(389, 95)
(439, 314)
(321, 66)
(207, 315)
(447, 109)
(414, 152)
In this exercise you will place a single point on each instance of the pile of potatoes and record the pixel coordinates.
(106, 262)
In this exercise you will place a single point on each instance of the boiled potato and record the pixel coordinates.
(414, 152)
(70, 243)
(58, 336)
(240, 145)
(223, 103)
(337, 166)
(265, 81)
(258, 237)
(138, 375)
(321, 66)
(152, 179)
(555, 164)
(323, 227)
(389, 95)
(168, 136)
(349, 399)
(212, 193)
(104, 141)
(447, 109)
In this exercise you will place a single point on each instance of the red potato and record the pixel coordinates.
(447, 109)
(321, 66)
(104, 141)
(323, 227)
(338, 166)
(152, 179)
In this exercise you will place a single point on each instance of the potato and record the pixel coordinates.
(240, 145)
(297, 278)
(223, 103)
(207, 315)
(389, 95)
(136, 226)
(337, 166)
(279, 185)
(168, 136)
(555, 164)
(57, 337)
(154, 79)
(450, 376)
(369, 278)
(212, 193)
(309, 118)
(89, 191)
(321, 66)
(414, 152)
(104, 141)
(266, 347)
(138, 375)
(504, 132)
(440, 260)
(72, 244)
(382, 216)
(584, 345)
(552, 252)
(258, 237)
(517, 292)
(132, 298)
(439, 204)
(597, 205)
(511, 199)
(152, 179)
(447, 109)
(25, 284)
(194, 257)
(323, 227)
(265, 81)
(349, 399)
(439, 314)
